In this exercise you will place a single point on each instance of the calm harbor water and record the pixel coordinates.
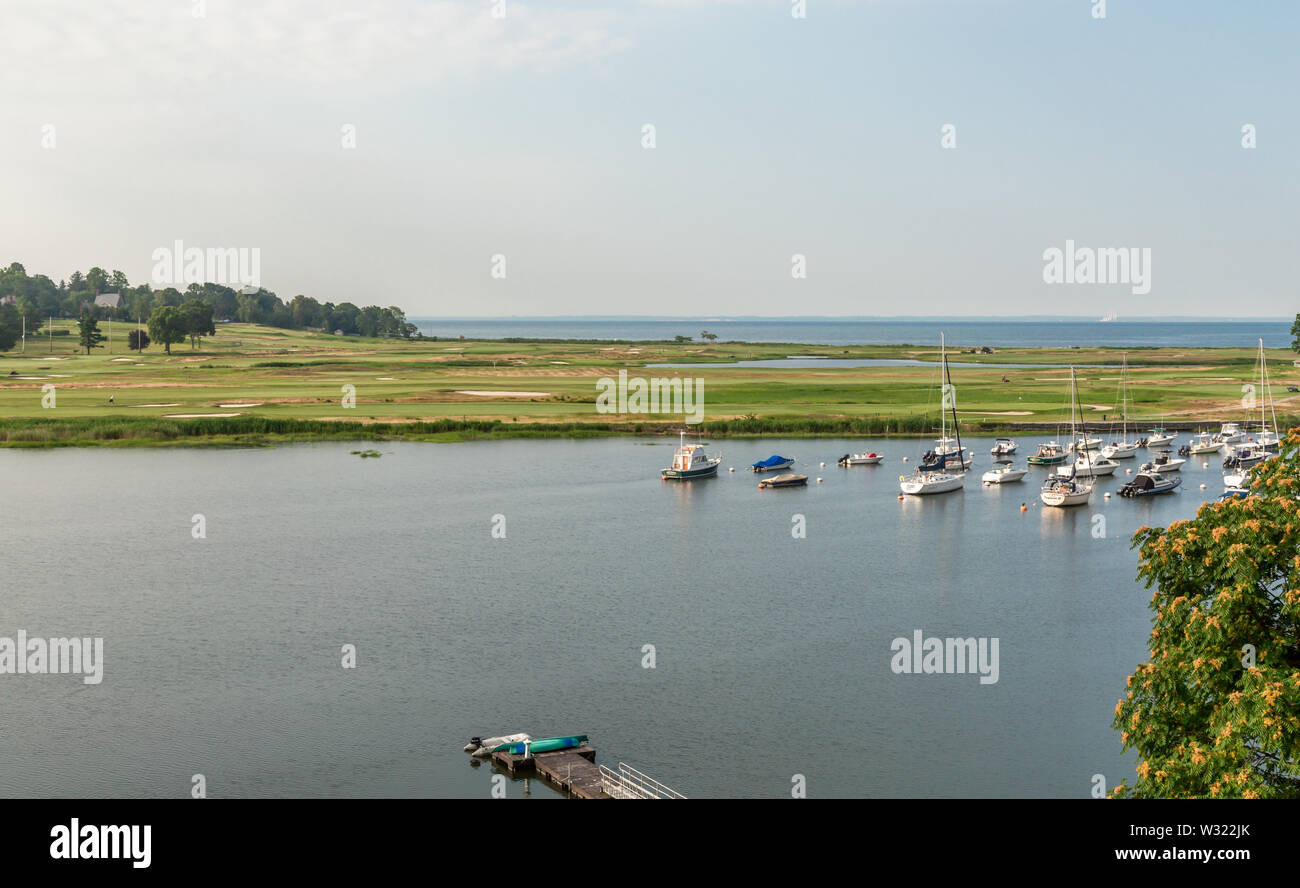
(1004, 332)
(222, 655)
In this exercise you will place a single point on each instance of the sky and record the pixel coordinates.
(454, 161)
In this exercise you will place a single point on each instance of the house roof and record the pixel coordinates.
(109, 300)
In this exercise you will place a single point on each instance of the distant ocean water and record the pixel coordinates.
(1002, 333)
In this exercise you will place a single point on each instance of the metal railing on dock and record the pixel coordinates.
(629, 783)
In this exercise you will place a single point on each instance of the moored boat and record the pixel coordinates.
(1150, 483)
(789, 479)
(1123, 448)
(1204, 442)
(942, 470)
(690, 462)
(1159, 438)
(773, 463)
(545, 744)
(1007, 474)
(1075, 489)
(1163, 463)
(1003, 447)
(1087, 466)
(1048, 454)
(860, 459)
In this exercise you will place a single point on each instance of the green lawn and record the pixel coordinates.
(265, 373)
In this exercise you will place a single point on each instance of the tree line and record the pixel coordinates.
(36, 298)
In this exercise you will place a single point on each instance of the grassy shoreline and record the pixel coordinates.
(255, 386)
(253, 431)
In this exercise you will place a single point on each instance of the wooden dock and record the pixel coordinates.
(573, 771)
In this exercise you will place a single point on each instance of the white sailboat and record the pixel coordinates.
(1075, 490)
(1268, 436)
(1123, 448)
(934, 473)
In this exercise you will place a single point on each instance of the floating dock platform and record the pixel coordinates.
(573, 771)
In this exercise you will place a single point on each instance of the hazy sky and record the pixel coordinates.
(522, 136)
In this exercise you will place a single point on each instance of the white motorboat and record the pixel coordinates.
(1074, 490)
(1159, 438)
(1230, 433)
(1164, 463)
(1083, 442)
(1007, 474)
(1003, 447)
(1205, 442)
(860, 459)
(1237, 478)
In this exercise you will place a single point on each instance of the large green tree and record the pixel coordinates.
(197, 316)
(1216, 710)
(88, 335)
(167, 326)
(1295, 334)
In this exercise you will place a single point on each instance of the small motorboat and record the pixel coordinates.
(545, 744)
(773, 463)
(1163, 463)
(1159, 438)
(1239, 478)
(689, 463)
(1003, 447)
(1083, 442)
(860, 459)
(1231, 433)
(1233, 493)
(789, 479)
(1048, 454)
(1150, 483)
(1005, 474)
(1204, 443)
(480, 747)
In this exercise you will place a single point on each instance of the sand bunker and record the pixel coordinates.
(128, 360)
(257, 404)
(485, 394)
(196, 415)
(174, 404)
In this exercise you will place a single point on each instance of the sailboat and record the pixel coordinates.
(1268, 437)
(1075, 490)
(943, 469)
(1123, 448)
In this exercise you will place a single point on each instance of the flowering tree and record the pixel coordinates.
(1216, 710)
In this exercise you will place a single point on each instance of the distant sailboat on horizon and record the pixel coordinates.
(1108, 318)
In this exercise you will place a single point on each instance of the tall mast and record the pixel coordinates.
(1082, 438)
(1123, 386)
(943, 392)
(961, 457)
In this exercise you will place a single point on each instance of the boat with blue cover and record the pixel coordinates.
(773, 463)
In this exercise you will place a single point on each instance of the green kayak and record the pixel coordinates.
(546, 744)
